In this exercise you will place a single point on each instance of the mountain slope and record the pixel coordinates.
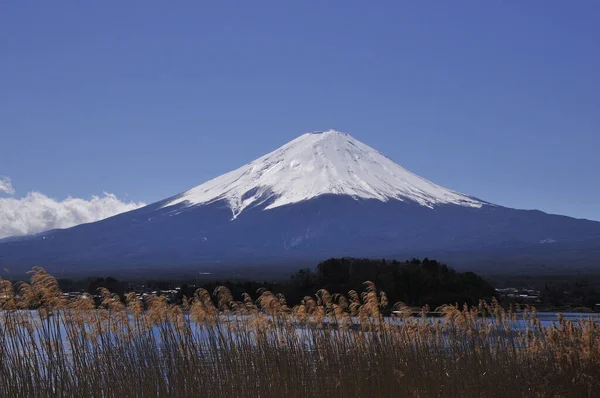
(316, 164)
(319, 196)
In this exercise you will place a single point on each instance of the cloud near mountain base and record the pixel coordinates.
(37, 212)
(6, 186)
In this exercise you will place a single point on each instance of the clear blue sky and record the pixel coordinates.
(500, 100)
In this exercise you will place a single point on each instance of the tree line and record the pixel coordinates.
(415, 282)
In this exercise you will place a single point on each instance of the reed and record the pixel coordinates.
(329, 345)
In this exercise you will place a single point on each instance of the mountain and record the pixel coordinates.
(321, 195)
(316, 164)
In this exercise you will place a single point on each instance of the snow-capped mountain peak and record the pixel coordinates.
(316, 164)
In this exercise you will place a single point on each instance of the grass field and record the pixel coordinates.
(329, 345)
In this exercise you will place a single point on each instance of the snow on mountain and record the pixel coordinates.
(316, 164)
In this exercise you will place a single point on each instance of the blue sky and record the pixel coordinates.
(499, 100)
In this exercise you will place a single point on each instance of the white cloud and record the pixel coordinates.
(37, 212)
(6, 186)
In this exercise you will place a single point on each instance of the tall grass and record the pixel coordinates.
(329, 345)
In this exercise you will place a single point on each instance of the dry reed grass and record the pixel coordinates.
(329, 345)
